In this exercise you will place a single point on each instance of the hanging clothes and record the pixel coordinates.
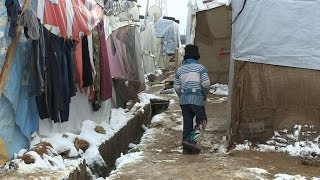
(35, 62)
(86, 64)
(29, 20)
(13, 10)
(106, 80)
(49, 102)
(96, 102)
(70, 53)
(59, 78)
(65, 94)
(78, 64)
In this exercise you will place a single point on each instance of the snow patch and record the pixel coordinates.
(128, 158)
(144, 100)
(288, 177)
(219, 89)
(158, 72)
(119, 118)
(158, 118)
(63, 143)
(290, 143)
(258, 170)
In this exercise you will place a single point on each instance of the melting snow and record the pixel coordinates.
(65, 143)
(284, 142)
(158, 118)
(128, 158)
(288, 177)
(258, 170)
(219, 89)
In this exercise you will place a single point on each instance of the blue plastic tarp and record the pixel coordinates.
(18, 112)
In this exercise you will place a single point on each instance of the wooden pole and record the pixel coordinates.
(11, 52)
(176, 60)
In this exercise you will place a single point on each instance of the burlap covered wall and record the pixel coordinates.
(267, 98)
(213, 37)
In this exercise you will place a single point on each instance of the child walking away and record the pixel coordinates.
(192, 85)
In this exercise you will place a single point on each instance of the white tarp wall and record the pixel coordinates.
(281, 32)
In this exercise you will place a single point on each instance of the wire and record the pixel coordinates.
(244, 4)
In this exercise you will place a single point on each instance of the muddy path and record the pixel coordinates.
(162, 157)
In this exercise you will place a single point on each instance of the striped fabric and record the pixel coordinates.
(192, 83)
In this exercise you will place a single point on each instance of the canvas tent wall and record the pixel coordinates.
(209, 25)
(274, 68)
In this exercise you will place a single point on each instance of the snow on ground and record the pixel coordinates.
(219, 89)
(144, 100)
(288, 177)
(257, 170)
(119, 118)
(294, 144)
(128, 158)
(158, 118)
(132, 157)
(64, 143)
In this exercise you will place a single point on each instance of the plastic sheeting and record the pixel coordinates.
(18, 113)
(282, 32)
(168, 30)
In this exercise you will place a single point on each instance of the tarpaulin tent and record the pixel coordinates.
(209, 28)
(18, 112)
(274, 68)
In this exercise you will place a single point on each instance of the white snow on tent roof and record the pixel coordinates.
(201, 6)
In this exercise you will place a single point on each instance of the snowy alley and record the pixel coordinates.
(159, 154)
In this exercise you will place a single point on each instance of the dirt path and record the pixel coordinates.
(162, 158)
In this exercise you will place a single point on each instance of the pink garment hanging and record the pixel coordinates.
(71, 16)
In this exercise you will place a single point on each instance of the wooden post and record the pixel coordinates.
(176, 59)
(11, 52)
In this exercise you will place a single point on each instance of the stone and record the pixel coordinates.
(42, 148)
(28, 159)
(81, 144)
(100, 130)
(152, 77)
